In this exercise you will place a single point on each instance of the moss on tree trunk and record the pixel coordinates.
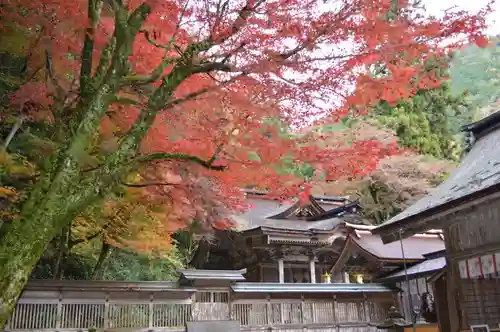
(20, 250)
(60, 196)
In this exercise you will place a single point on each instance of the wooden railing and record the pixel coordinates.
(73, 310)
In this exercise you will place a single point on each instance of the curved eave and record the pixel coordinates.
(336, 211)
(483, 126)
(351, 245)
(266, 230)
(425, 268)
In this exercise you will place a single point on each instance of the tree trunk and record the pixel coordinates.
(20, 250)
(61, 255)
(105, 249)
(43, 217)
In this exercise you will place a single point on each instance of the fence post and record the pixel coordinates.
(106, 311)
(268, 310)
(335, 319)
(230, 304)
(194, 307)
(302, 313)
(59, 312)
(366, 313)
(150, 310)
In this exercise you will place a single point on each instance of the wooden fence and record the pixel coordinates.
(136, 309)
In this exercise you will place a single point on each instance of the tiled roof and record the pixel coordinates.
(262, 209)
(425, 267)
(480, 169)
(414, 247)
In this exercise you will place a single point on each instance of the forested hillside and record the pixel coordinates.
(477, 71)
(429, 125)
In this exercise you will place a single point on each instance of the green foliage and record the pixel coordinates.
(301, 170)
(428, 122)
(477, 70)
(128, 265)
(11, 73)
(75, 267)
(121, 264)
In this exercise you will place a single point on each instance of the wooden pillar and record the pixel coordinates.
(453, 282)
(281, 270)
(439, 287)
(312, 269)
(345, 277)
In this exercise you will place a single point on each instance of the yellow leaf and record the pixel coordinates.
(9, 193)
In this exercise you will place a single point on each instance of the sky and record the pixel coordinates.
(437, 6)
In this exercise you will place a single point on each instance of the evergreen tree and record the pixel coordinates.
(477, 71)
(429, 122)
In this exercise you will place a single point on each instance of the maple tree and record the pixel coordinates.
(126, 85)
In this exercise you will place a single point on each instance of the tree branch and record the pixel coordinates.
(155, 75)
(94, 13)
(104, 60)
(240, 21)
(73, 243)
(152, 184)
(183, 157)
(152, 42)
(125, 101)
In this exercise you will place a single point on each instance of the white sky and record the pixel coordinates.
(437, 6)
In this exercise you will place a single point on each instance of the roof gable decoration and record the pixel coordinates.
(300, 210)
(309, 218)
(311, 210)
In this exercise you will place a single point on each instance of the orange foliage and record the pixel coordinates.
(276, 58)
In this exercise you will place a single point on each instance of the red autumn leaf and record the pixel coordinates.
(481, 41)
(231, 70)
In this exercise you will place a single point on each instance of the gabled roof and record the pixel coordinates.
(362, 242)
(477, 177)
(273, 214)
(415, 247)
